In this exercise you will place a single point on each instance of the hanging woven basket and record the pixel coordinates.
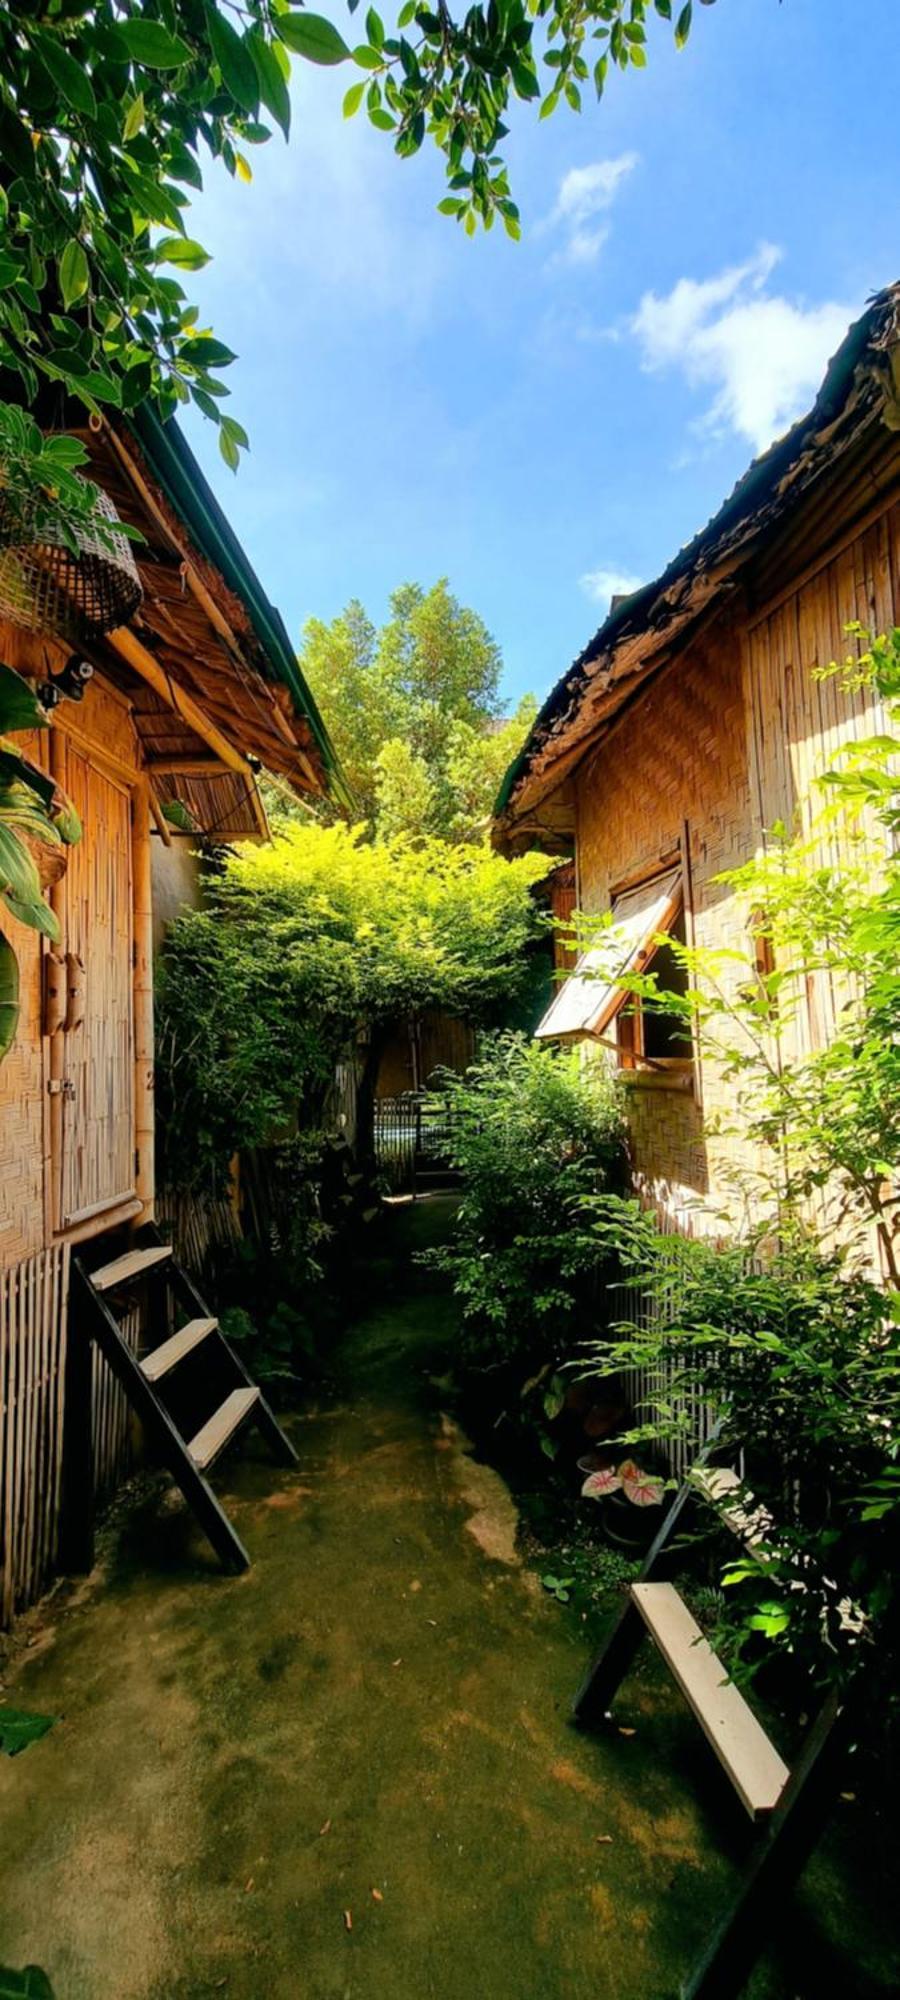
(47, 588)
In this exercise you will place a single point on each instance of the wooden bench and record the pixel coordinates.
(788, 1804)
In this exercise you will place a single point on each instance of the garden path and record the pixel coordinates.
(349, 1772)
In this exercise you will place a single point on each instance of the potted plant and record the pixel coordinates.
(632, 1498)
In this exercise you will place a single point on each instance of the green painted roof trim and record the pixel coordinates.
(174, 466)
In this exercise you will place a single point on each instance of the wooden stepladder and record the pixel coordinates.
(190, 1390)
(788, 1805)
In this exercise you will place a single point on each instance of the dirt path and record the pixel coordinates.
(379, 1705)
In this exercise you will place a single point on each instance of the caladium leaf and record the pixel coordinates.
(642, 1489)
(598, 1484)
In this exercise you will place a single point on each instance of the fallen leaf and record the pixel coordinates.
(377, 1896)
(627, 1732)
(603, 1839)
(848, 1798)
(397, 1663)
(433, 1621)
(248, 1885)
(348, 1921)
(326, 1828)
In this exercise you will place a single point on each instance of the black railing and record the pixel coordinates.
(412, 1140)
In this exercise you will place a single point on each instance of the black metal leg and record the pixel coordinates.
(624, 1636)
(610, 1666)
(776, 1862)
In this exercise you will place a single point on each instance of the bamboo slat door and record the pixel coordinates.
(96, 1165)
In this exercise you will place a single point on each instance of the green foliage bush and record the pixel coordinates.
(792, 1335)
(301, 947)
(793, 1353)
(534, 1132)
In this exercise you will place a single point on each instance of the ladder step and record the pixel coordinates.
(221, 1426)
(739, 1741)
(133, 1265)
(157, 1364)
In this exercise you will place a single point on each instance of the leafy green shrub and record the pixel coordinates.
(534, 1131)
(797, 1357)
(300, 946)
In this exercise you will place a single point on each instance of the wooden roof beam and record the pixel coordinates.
(142, 662)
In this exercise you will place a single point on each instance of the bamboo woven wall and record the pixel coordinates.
(33, 1306)
(730, 739)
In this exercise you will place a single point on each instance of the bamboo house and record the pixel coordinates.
(187, 696)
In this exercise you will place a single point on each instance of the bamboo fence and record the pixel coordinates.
(33, 1302)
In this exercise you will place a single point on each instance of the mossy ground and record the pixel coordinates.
(379, 1705)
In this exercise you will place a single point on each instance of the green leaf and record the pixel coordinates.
(19, 706)
(374, 29)
(149, 43)
(235, 61)
(36, 915)
(310, 35)
(103, 388)
(71, 76)
(134, 117)
(353, 99)
(524, 80)
(273, 88)
(367, 58)
(18, 874)
(229, 449)
(74, 275)
(181, 251)
(683, 25)
(205, 352)
(9, 1022)
(18, 1729)
(236, 431)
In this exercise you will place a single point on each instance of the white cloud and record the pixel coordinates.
(602, 585)
(762, 354)
(585, 196)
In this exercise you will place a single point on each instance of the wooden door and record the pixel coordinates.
(95, 1169)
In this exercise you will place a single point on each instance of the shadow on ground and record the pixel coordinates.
(350, 1772)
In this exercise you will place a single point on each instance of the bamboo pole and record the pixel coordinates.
(143, 999)
(129, 647)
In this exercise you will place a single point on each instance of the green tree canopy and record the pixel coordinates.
(415, 713)
(110, 109)
(304, 944)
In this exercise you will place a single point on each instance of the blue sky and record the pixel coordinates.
(547, 420)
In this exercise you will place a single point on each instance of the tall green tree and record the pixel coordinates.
(415, 712)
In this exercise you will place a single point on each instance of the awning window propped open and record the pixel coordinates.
(592, 995)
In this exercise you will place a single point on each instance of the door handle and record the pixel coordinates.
(55, 982)
(74, 991)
